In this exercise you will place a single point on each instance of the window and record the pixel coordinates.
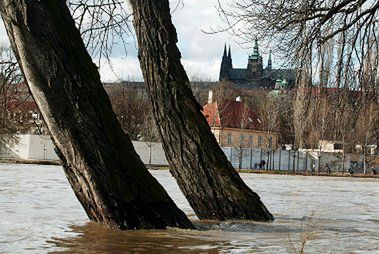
(229, 138)
(242, 139)
(250, 140)
(260, 141)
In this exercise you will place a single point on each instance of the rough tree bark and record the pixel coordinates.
(105, 172)
(207, 179)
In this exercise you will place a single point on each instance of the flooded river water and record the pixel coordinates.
(40, 214)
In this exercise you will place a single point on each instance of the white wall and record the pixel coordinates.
(36, 147)
(33, 147)
(14, 151)
(157, 154)
(40, 147)
(21, 149)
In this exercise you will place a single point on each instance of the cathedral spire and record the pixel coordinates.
(230, 62)
(225, 66)
(225, 55)
(269, 64)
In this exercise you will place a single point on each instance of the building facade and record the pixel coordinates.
(254, 75)
(236, 125)
(245, 138)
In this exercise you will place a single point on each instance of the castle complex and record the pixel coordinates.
(255, 75)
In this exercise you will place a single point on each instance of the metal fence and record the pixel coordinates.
(252, 158)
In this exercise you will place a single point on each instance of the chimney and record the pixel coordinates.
(210, 97)
(239, 99)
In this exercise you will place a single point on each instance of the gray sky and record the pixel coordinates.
(201, 53)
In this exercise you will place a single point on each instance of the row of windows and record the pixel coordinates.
(21, 115)
(250, 140)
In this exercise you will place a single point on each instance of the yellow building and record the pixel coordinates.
(236, 125)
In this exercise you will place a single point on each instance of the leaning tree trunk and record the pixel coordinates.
(207, 179)
(105, 172)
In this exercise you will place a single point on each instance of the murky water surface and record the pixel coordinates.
(39, 214)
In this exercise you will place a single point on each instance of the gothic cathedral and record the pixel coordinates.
(255, 75)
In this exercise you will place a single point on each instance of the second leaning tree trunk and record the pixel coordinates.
(105, 172)
(207, 179)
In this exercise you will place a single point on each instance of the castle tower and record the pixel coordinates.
(226, 64)
(254, 70)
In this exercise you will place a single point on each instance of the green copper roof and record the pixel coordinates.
(281, 83)
(255, 55)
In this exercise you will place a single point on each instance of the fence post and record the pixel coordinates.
(280, 158)
(231, 155)
(289, 160)
(273, 159)
(298, 160)
(251, 158)
(268, 160)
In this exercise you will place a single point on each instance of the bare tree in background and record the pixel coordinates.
(269, 116)
(103, 26)
(10, 76)
(131, 106)
(366, 130)
(286, 115)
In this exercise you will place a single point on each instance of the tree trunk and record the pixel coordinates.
(210, 183)
(105, 172)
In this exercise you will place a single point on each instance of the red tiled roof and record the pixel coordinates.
(210, 112)
(231, 114)
(24, 106)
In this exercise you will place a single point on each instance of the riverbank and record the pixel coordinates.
(35, 162)
(307, 173)
(248, 171)
(286, 172)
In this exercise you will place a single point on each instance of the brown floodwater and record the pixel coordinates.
(40, 214)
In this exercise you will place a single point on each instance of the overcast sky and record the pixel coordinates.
(201, 52)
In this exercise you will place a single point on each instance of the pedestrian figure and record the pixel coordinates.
(351, 171)
(313, 167)
(373, 171)
(262, 164)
